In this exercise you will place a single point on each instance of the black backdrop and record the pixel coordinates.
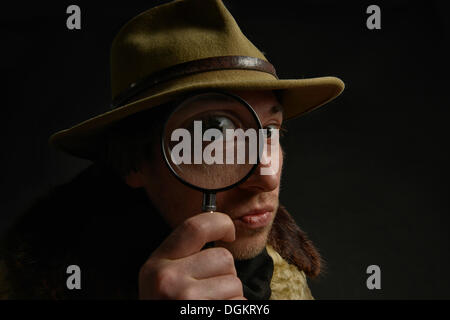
(365, 176)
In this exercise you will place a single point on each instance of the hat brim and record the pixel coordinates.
(298, 96)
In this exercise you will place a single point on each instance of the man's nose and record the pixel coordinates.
(263, 182)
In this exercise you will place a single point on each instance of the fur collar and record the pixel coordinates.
(288, 282)
(293, 244)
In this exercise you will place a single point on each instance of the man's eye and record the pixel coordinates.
(221, 123)
(269, 130)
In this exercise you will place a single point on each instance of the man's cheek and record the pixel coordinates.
(271, 160)
(280, 162)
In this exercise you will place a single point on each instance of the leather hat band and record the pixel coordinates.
(191, 67)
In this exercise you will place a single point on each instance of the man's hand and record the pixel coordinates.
(177, 269)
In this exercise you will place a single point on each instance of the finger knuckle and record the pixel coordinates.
(225, 256)
(157, 279)
(166, 281)
(194, 226)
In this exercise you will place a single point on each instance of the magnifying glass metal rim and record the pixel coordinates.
(166, 160)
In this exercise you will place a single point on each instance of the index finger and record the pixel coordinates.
(194, 233)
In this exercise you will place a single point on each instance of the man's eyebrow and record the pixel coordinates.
(276, 109)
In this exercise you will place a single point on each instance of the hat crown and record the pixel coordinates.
(174, 33)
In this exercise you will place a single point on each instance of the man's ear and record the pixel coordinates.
(135, 179)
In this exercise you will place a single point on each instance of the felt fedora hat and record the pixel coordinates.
(183, 46)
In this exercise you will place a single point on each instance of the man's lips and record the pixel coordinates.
(255, 218)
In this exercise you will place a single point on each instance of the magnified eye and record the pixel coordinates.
(219, 122)
(211, 121)
(269, 130)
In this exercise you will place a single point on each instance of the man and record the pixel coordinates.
(133, 229)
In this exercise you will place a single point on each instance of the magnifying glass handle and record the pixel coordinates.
(209, 205)
(209, 202)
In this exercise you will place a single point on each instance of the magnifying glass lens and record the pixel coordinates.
(210, 141)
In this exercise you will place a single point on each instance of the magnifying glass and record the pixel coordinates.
(211, 143)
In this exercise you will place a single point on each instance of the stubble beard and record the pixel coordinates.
(249, 242)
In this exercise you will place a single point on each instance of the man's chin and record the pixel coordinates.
(247, 246)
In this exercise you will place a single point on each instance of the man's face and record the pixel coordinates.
(252, 205)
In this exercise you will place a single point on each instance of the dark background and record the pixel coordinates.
(366, 176)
